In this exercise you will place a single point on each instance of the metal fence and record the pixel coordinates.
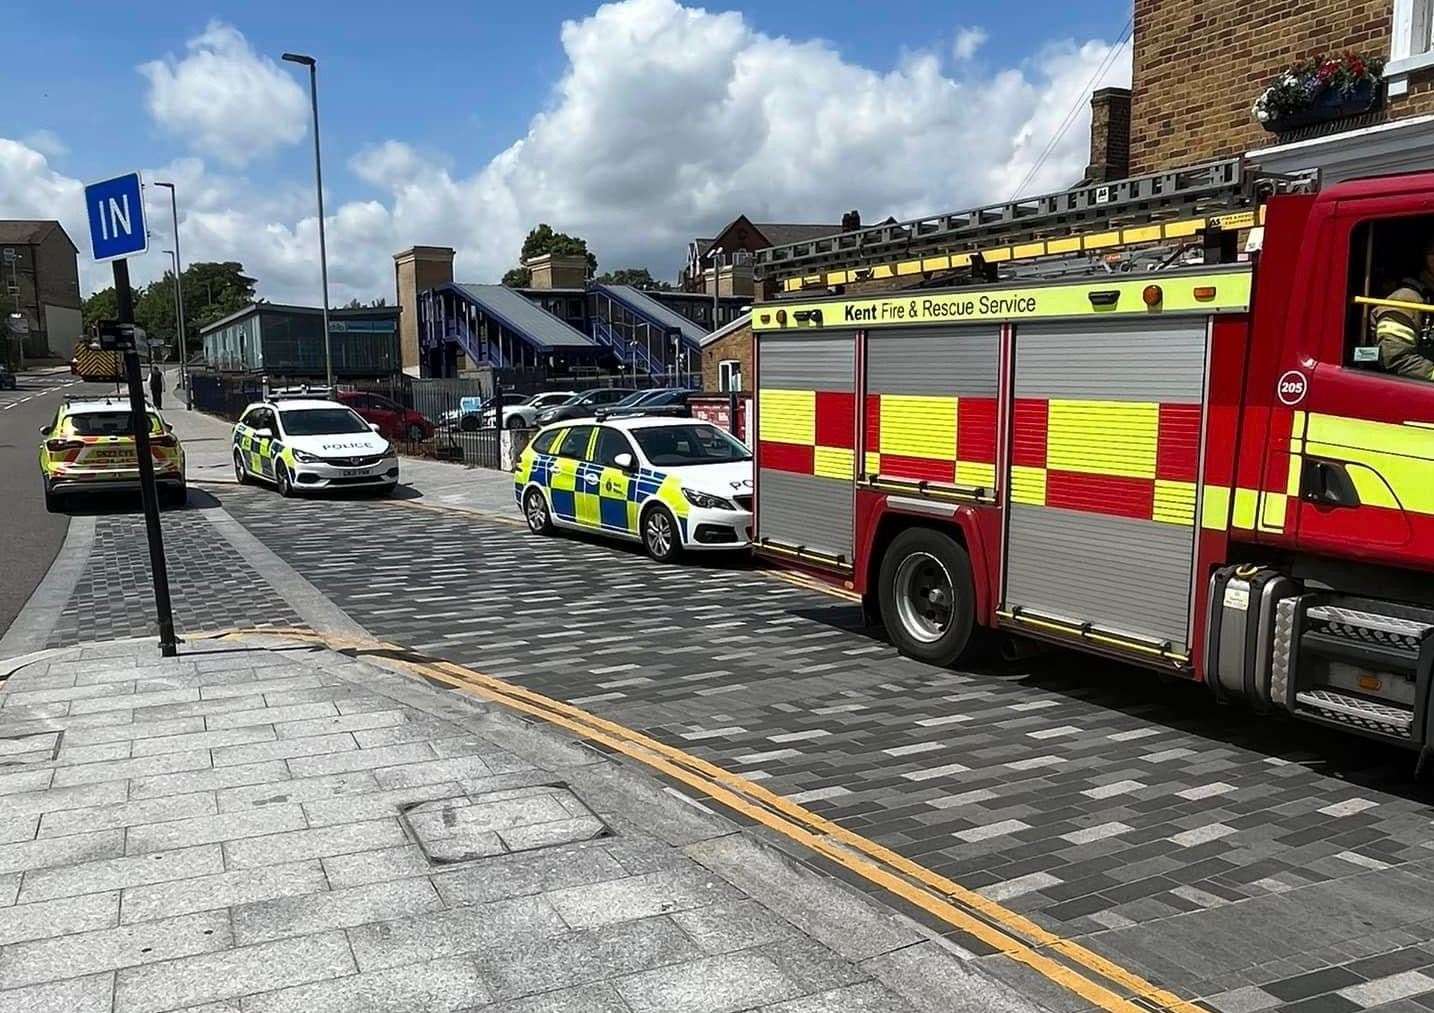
(450, 428)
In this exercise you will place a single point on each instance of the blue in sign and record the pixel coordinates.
(116, 210)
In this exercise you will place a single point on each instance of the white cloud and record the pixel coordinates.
(225, 99)
(967, 41)
(666, 123)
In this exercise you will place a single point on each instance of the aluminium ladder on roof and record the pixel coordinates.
(1231, 185)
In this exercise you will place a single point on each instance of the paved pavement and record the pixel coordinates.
(1218, 854)
(30, 536)
(265, 826)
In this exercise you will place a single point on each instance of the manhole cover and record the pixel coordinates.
(466, 827)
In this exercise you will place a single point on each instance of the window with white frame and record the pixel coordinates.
(1411, 46)
(729, 375)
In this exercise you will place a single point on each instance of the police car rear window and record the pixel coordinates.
(544, 443)
(107, 424)
(322, 422)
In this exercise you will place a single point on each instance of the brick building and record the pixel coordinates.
(1199, 65)
(40, 280)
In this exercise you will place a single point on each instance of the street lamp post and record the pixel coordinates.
(179, 294)
(178, 311)
(312, 64)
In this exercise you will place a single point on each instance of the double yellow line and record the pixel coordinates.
(1097, 980)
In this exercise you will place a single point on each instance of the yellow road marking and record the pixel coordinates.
(1094, 978)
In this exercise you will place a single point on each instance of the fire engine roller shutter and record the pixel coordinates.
(1105, 442)
(931, 404)
(806, 434)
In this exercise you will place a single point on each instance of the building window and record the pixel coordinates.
(1410, 47)
(729, 375)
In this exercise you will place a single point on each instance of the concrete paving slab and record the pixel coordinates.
(64, 916)
(398, 862)
(222, 890)
(93, 994)
(498, 925)
(108, 949)
(235, 972)
(449, 984)
(357, 905)
(715, 985)
(616, 900)
(346, 838)
(208, 779)
(231, 826)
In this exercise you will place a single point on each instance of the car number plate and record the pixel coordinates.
(355, 472)
(111, 456)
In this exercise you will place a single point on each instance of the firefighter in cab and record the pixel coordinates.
(1406, 336)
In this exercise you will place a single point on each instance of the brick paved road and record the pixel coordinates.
(211, 586)
(1219, 855)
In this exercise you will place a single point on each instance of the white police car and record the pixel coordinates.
(675, 484)
(305, 443)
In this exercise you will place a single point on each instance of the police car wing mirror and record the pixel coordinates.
(624, 461)
(373, 426)
(264, 434)
(45, 430)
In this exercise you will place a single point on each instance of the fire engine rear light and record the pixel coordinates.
(1152, 295)
(1205, 293)
(1104, 297)
(60, 446)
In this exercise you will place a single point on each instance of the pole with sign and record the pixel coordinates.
(117, 230)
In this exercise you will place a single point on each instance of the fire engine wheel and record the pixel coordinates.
(535, 509)
(927, 598)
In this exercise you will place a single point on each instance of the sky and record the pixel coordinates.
(636, 124)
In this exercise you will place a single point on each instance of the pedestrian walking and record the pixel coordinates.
(156, 385)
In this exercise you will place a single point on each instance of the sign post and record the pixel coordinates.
(117, 231)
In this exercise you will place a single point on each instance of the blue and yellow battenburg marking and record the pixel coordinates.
(595, 496)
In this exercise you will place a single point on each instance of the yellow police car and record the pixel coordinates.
(304, 443)
(89, 446)
(673, 484)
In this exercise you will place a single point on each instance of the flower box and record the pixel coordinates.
(1318, 90)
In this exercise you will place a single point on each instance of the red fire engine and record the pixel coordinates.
(1144, 419)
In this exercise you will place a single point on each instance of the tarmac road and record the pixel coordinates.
(29, 535)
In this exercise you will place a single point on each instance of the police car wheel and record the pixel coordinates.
(535, 509)
(659, 535)
(927, 596)
(241, 474)
(282, 480)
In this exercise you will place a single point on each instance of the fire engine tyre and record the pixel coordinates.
(659, 534)
(535, 511)
(282, 482)
(241, 474)
(927, 597)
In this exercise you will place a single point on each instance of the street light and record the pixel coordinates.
(178, 294)
(178, 310)
(312, 64)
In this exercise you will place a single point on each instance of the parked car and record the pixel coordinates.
(583, 405)
(90, 446)
(673, 484)
(300, 444)
(525, 416)
(664, 401)
(394, 421)
(488, 417)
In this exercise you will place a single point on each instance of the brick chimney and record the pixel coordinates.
(1109, 135)
(416, 270)
(851, 221)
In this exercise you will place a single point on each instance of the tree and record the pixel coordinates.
(637, 277)
(212, 290)
(543, 240)
(100, 306)
(358, 304)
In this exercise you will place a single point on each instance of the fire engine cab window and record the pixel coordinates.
(1391, 277)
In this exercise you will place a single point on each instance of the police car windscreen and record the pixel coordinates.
(323, 422)
(684, 445)
(107, 424)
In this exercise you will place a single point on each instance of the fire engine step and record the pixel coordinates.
(1372, 626)
(1356, 710)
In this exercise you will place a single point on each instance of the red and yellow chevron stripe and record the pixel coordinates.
(932, 438)
(807, 432)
